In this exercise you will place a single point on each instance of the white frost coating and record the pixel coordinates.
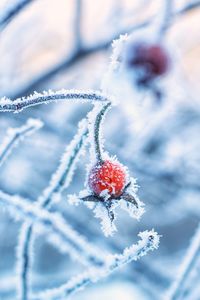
(73, 200)
(188, 266)
(149, 241)
(62, 178)
(60, 181)
(53, 222)
(46, 97)
(15, 135)
(108, 227)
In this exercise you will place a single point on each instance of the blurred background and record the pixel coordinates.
(54, 44)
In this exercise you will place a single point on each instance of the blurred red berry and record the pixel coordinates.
(150, 60)
(107, 176)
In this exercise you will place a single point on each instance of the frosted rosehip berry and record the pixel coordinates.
(150, 60)
(107, 176)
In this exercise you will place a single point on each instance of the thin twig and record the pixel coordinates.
(191, 258)
(12, 12)
(15, 135)
(78, 25)
(24, 257)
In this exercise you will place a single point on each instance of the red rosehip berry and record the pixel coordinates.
(107, 176)
(149, 59)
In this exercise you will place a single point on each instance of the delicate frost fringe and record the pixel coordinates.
(62, 178)
(61, 234)
(189, 263)
(108, 227)
(15, 135)
(51, 96)
(149, 241)
(23, 277)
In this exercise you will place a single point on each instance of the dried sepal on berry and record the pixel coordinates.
(107, 216)
(130, 202)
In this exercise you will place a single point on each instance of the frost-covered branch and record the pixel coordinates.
(189, 263)
(61, 234)
(60, 181)
(8, 105)
(12, 10)
(15, 135)
(63, 175)
(24, 260)
(149, 241)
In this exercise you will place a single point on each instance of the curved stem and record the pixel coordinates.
(97, 131)
(7, 105)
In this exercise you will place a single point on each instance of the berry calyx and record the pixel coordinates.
(107, 177)
(150, 60)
